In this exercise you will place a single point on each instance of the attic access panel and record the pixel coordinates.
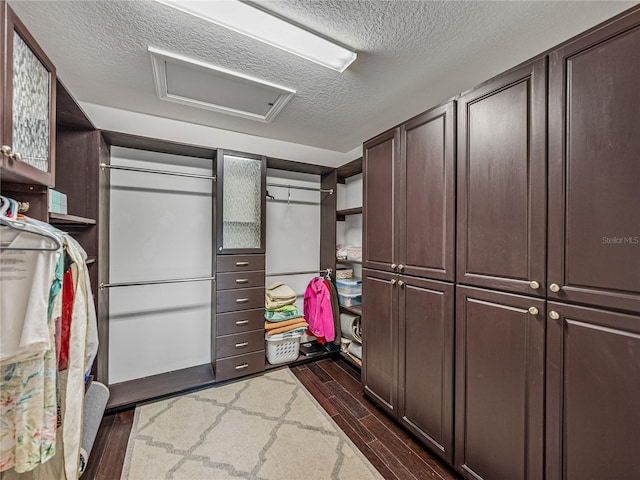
(198, 84)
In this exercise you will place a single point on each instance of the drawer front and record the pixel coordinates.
(228, 281)
(238, 322)
(241, 299)
(239, 343)
(233, 367)
(239, 263)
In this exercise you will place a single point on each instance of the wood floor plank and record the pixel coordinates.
(113, 460)
(355, 407)
(416, 465)
(358, 427)
(376, 461)
(319, 372)
(391, 461)
(317, 390)
(99, 447)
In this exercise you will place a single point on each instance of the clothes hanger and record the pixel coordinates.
(23, 227)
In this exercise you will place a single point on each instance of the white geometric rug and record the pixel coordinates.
(263, 428)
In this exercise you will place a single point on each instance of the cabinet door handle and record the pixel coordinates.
(16, 156)
(393, 281)
(242, 367)
(242, 280)
(401, 283)
(393, 266)
(401, 267)
(554, 287)
(5, 150)
(533, 310)
(242, 322)
(554, 315)
(533, 284)
(242, 300)
(242, 264)
(242, 344)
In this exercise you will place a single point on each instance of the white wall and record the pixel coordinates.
(160, 228)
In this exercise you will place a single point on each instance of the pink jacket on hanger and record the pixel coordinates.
(317, 309)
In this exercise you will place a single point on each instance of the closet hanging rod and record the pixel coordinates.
(312, 189)
(156, 282)
(307, 272)
(160, 172)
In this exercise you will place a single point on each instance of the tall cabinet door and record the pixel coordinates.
(594, 168)
(502, 182)
(427, 197)
(426, 362)
(379, 164)
(380, 338)
(499, 385)
(593, 394)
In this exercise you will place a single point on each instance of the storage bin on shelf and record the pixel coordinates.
(354, 253)
(348, 286)
(282, 347)
(344, 273)
(349, 299)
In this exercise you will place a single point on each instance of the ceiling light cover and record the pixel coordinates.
(260, 25)
(198, 84)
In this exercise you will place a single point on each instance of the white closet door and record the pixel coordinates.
(160, 228)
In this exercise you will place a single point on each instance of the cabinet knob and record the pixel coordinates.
(533, 284)
(16, 156)
(401, 283)
(554, 287)
(393, 281)
(5, 150)
(533, 310)
(393, 266)
(553, 315)
(401, 267)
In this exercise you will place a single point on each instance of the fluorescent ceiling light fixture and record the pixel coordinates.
(265, 27)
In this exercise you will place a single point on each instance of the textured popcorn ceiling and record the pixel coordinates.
(411, 55)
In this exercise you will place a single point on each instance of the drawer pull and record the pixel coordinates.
(242, 344)
(242, 264)
(242, 300)
(242, 322)
(242, 367)
(242, 280)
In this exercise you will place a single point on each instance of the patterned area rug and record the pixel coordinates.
(263, 428)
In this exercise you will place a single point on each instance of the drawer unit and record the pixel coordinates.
(241, 299)
(232, 280)
(239, 263)
(239, 322)
(232, 367)
(239, 343)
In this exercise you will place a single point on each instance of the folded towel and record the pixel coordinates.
(355, 349)
(298, 327)
(350, 327)
(278, 295)
(280, 315)
(285, 308)
(285, 323)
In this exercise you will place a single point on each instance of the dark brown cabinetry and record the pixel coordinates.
(593, 393)
(408, 350)
(409, 197)
(594, 168)
(425, 397)
(28, 123)
(502, 182)
(499, 385)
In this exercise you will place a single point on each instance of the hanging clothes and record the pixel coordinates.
(317, 310)
(335, 309)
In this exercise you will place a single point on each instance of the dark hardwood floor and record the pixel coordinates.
(335, 384)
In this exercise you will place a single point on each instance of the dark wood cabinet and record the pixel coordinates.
(379, 222)
(380, 338)
(502, 182)
(594, 168)
(28, 80)
(409, 197)
(426, 210)
(499, 385)
(426, 340)
(593, 394)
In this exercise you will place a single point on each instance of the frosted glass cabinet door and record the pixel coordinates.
(29, 107)
(241, 204)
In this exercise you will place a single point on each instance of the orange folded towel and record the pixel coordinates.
(285, 323)
(301, 324)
